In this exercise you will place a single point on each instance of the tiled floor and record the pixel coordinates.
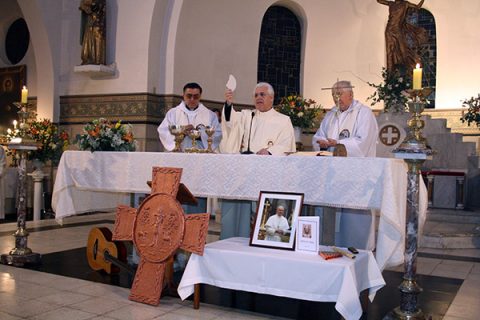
(29, 294)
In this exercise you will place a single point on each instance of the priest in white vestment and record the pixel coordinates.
(277, 225)
(354, 125)
(262, 131)
(190, 112)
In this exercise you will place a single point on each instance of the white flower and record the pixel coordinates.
(116, 141)
(400, 79)
(300, 114)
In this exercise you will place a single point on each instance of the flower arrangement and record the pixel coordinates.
(391, 91)
(52, 142)
(102, 135)
(302, 112)
(473, 112)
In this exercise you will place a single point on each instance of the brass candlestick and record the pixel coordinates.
(22, 254)
(414, 151)
(414, 141)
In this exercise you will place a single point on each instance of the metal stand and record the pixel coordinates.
(414, 151)
(21, 254)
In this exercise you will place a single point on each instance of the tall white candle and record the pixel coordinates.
(24, 94)
(417, 77)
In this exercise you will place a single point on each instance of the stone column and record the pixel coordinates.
(37, 177)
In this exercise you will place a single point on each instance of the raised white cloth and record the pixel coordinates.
(233, 264)
(358, 183)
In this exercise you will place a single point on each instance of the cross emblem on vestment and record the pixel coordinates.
(158, 228)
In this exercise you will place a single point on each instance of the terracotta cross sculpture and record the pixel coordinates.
(158, 228)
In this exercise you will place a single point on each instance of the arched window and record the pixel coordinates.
(428, 52)
(279, 52)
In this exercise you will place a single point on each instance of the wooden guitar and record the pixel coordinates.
(101, 250)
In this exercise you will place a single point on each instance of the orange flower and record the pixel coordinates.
(128, 137)
(95, 132)
(64, 135)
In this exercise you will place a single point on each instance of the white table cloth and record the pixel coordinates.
(233, 264)
(83, 179)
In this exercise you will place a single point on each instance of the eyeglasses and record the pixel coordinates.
(261, 94)
(192, 96)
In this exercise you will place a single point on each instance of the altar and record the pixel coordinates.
(97, 181)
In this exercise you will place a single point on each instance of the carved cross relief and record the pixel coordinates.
(158, 228)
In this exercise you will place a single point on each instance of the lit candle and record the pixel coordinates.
(15, 124)
(417, 77)
(24, 94)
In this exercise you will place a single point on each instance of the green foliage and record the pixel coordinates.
(391, 91)
(473, 112)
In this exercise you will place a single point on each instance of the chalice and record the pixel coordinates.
(178, 132)
(194, 134)
(210, 131)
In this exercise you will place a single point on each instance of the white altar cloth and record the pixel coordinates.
(359, 183)
(233, 264)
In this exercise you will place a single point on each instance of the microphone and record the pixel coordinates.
(249, 136)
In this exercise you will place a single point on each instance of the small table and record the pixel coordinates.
(233, 264)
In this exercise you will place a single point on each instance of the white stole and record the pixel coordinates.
(342, 123)
(184, 116)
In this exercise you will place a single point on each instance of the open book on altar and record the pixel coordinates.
(312, 153)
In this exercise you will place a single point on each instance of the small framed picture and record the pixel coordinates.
(276, 220)
(307, 234)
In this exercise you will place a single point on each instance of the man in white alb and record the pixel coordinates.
(354, 125)
(191, 113)
(349, 123)
(262, 131)
(277, 225)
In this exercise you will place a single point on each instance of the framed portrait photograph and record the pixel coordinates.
(307, 234)
(276, 220)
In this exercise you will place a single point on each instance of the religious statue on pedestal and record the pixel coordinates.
(402, 38)
(93, 31)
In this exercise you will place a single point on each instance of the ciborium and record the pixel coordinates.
(178, 131)
(210, 131)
